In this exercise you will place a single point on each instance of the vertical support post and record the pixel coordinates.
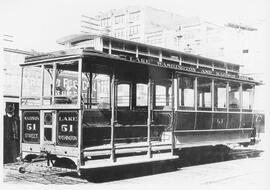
(212, 101)
(195, 100)
(42, 85)
(227, 103)
(241, 96)
(212, 94)
(241, 103)
(149, 110)
(54, 81)
(137, 51)
(79, 81)
(173, 108)
(177, 93)
(252, 105)
(167, 96)
(196, 93)
(252, 98)
(20, 113)
(80, 115)
(113, 116)
(110, 46)
(90, 88)
(227, 96)
(160, 56)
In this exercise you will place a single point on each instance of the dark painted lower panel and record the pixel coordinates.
(213, 137)
(93, 136)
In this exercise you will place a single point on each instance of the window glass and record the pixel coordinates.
(119, 19)
(163, 95)
(135, 16)
(234, 96)
(247, 96)
(186, 91)
(204, 93)
(119, 33)
(101, 91)
(220, 94)
(105, 22)
(123, 95)
(66, 84)
(141, 96)
(31, 85)
(134, 30)
(48, 85)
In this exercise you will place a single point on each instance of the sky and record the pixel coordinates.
(37, 24)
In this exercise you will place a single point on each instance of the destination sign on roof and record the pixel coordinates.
(186, 68)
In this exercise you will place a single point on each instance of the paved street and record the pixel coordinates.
(250, 172)
(245, 172)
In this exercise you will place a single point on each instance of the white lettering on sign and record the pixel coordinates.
(68, 119)
(31, 118)
(67, 128)
(31, 136)
(66, 137)
(30, 126)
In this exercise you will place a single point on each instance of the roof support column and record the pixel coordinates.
(172, 115)
(113, 102)
(149, 119)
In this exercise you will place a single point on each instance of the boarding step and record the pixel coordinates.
(105, 163)
(126, 148)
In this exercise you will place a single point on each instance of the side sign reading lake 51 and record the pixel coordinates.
(31, 126)
(67, 128)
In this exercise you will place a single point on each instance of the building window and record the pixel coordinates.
(119, 19)
(247, 96)
(204, 93)
(135, 16)
(154, 39)
(123, 95)
(220, 94)
(186, 91)
(234, 95)
(119, 33)
(141, 95)
(105, 22)
(134, 30)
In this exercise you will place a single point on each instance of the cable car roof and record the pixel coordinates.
(80, 52)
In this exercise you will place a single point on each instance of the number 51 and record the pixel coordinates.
(66, 128)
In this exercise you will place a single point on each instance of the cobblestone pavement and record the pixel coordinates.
(39, 174)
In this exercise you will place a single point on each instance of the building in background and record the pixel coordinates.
(138, 23)
(236, 43)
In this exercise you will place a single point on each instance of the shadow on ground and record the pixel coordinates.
(188, 157)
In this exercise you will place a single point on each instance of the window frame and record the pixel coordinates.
(160, 83)
(216, 108)
(179, 106)
(136, 95)
(211, 93)
(130, 95)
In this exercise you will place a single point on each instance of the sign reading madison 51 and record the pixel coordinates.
(31, 126)
(67, 128)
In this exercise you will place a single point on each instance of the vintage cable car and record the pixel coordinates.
(106, 101)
